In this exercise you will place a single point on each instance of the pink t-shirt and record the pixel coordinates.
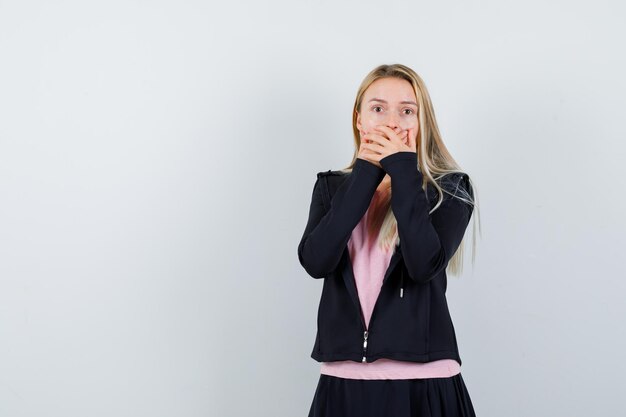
(370, 263)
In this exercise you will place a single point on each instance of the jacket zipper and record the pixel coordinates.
(365, 329)
(365, 333)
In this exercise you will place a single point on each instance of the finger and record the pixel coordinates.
(377, 139)
(371, 148)
(369, 155)
(393, 136)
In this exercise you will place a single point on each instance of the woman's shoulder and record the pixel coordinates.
(451, 175)
(453, 178)
(330, 172)
(456, 183)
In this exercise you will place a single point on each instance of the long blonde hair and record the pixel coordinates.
(434, 160)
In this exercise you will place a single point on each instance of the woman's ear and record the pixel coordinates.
(358, 121)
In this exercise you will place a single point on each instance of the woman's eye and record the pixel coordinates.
(410, 111)
(377, 107)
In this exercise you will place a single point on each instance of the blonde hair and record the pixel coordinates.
(434, 160)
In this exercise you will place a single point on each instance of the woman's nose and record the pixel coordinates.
(394, 125)
(392, 122)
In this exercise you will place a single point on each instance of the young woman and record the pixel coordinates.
(383, 233)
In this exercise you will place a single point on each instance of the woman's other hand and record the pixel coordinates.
(384, 141)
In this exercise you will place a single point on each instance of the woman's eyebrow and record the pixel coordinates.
(402, 102)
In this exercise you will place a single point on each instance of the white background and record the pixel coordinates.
(156, 166)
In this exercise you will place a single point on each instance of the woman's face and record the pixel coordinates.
(390, 102)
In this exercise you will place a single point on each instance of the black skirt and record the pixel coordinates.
(419, 397)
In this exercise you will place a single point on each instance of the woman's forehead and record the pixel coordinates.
(390, 90)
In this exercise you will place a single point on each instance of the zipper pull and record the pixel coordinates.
(365, 333)
(401, 282)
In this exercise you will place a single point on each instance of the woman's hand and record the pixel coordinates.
(367, 154)
(384, 142)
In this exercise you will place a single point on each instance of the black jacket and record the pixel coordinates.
(410, 320)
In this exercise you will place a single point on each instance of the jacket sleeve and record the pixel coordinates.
(327, 232)
(427, 241)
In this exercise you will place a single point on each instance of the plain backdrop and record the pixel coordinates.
(157, 160)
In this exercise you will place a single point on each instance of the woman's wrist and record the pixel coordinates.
(369, 167)
(399, 162)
